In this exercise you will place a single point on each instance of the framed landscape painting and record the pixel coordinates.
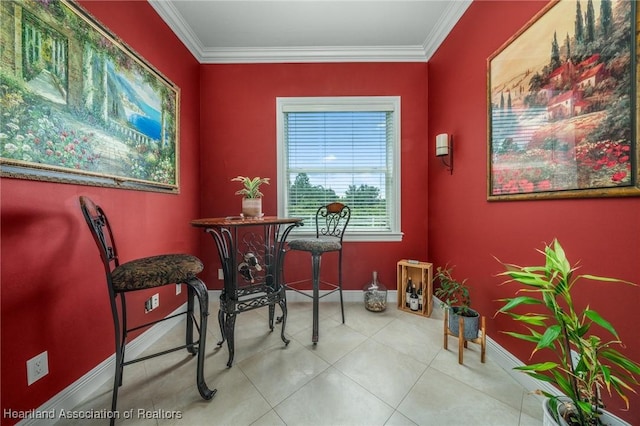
(79, 106)
(562, 105)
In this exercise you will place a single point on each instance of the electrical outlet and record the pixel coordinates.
(37, 367)
(220, 274)
(155, 301)
(178, 288)
(151, 303)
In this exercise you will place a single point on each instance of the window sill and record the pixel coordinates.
(357, 237)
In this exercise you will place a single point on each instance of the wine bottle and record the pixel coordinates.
(413, 305)
(407, 295)
(420, 297)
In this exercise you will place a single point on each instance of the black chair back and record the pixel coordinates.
(101, 232)
(332, 220)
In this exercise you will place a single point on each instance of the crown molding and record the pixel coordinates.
(310, 54)
(451, 16)
(313, 54)
(177, 24)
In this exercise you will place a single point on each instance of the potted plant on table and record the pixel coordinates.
(454, 296)
(251, 195)
(584, 362)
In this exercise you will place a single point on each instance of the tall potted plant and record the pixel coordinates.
(251, 195)
(582, 343)
(454, 295)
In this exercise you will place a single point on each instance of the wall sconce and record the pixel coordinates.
(444, 147)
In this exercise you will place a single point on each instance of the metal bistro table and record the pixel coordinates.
(251, 252)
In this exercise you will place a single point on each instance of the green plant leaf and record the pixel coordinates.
(606, 279)
(549, 337)
(539, 320)
(540, 377)
(606, 375)
(621, 361)
(541, 366)
(618, 385)
(585, 406)
(563, 384)
(532, 279)
(581, 331)
(560, 258)
(526, 337)
(595, 317)
(251, 186)
(517, 301)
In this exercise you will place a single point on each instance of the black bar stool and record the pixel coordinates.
(331, 223)
(142, 274)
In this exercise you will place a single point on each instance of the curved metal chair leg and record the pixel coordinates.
(315, 259)
(196, 286)
(272, 311)
(230, 323)
(221, 325)
(340, 284)
(116, 385)
(191, 289)
(283, 319)
(120, 348)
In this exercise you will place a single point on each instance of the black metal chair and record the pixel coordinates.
(331, 223)
(146, 273)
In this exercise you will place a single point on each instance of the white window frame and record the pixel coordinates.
(347, 103)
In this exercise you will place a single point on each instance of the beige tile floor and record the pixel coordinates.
(384, 368)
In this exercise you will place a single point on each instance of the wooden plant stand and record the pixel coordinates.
(462, 342)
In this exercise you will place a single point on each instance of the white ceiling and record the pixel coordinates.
(248, 31)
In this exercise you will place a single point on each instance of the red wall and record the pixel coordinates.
(238, 130)
(53, 289)
(467, 231)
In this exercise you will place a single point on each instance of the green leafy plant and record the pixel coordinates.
(562, 328)
(251, 186)
(453, 293)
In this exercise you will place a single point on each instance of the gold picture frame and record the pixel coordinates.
(562, 102)
(79, 105)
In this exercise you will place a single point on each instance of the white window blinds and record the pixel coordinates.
(341, 151)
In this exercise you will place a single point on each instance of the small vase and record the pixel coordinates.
(252, 207)
(375, 295)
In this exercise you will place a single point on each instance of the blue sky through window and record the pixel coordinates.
(338, 149)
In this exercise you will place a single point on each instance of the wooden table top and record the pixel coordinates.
(229, 221)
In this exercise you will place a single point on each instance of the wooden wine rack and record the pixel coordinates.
(421, 274)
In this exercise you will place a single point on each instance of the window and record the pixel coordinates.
(341, 149)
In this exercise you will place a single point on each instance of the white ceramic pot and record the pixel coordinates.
(548, 418)
(252, 207)
(606, 418)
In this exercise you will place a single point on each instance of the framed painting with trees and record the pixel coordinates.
(562, 104)
(80, 106)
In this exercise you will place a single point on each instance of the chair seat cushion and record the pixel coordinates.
(315, 245)
(155, 271)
